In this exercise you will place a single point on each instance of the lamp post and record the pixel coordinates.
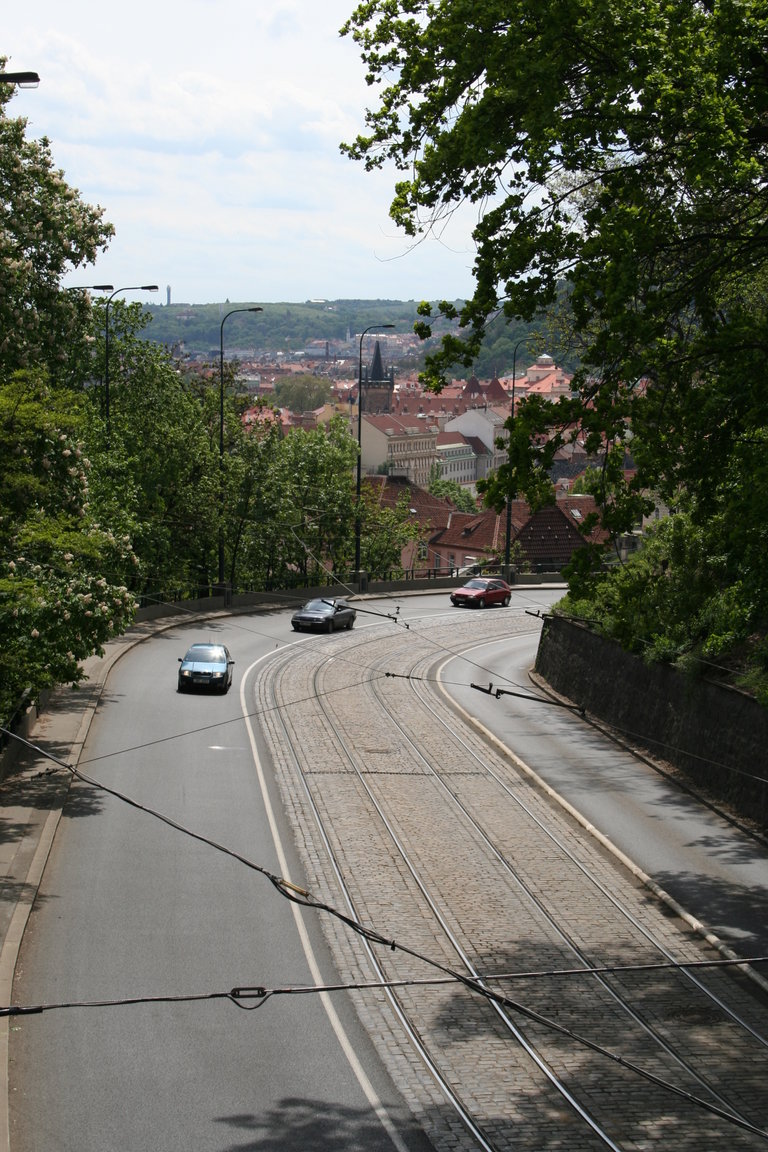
(508, 541)
(21, 79)
(363, 334)
(117, 291)
(221, 435)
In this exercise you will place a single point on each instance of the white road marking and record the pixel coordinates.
(346, 1046)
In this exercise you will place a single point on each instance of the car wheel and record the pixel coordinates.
(350, 625)
(329, 626)
(505, 602)
(295, 627)
(481, 602)
(180, 687)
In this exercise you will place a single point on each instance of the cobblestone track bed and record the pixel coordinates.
(491, 916)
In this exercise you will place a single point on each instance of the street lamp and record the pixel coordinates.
(370, 328)
(508, 541)
(21, 79)
(131, 288)
(221, 435)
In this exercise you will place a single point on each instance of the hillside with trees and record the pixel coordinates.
(281, 327)
(291, 328)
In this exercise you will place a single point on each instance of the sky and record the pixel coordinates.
(209, 132)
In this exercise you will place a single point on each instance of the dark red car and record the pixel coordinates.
(481, 591)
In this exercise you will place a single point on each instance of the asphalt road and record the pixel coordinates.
(130, 907)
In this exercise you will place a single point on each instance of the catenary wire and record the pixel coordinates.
(302, 897)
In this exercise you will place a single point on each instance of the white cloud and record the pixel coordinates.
(210, 135)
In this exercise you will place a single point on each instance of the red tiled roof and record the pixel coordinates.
(431, 511)
(479, 447)
(400, 425)
(446, 438)
(496, 393)
(549, 539)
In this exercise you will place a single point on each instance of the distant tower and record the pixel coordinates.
(168, 294)
(379, 386)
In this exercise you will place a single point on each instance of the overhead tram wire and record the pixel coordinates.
(233, 622)
(302, 897)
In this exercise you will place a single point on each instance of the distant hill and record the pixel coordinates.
(294, 328)
(281, 327)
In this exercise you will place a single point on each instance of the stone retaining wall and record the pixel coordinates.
(716, 735)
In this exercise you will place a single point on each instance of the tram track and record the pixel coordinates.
(425, 833)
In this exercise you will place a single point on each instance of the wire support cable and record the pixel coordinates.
(298, 895)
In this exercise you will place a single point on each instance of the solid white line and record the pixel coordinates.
(341, 1035)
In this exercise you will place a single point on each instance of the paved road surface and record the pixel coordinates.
(733, 876)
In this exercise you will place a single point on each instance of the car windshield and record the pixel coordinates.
(318, 606)
(476, 584)
(206, 653)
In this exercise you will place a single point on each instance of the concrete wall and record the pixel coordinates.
(717, 735)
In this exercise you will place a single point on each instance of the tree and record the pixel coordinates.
(302, 393)
(63, 578)
(636, 173)
(46, 230)
(156, 475)
(451, 490)
(385, 532)
(309, 501)
(636, 177)
(253, 500)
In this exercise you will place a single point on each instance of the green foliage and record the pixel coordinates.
(679, 600)
(304, 525)
(302, 393)
(636, 175)
(46, 230)
(529, 458)
(385, 532)
(156, 473)
(62, 574)
(453, 491)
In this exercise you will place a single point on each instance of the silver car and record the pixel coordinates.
(206, 666)
(324, 615)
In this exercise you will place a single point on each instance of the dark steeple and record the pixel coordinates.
(377, 367)
(379, 385)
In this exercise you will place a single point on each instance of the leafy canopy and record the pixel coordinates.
(63, 575)
(46, 230)
(620, 150)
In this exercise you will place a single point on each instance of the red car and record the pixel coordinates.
(481, 591)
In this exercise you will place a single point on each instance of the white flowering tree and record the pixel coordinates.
(63, 578)
(46, 230)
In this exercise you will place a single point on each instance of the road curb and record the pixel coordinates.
(647, 881)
